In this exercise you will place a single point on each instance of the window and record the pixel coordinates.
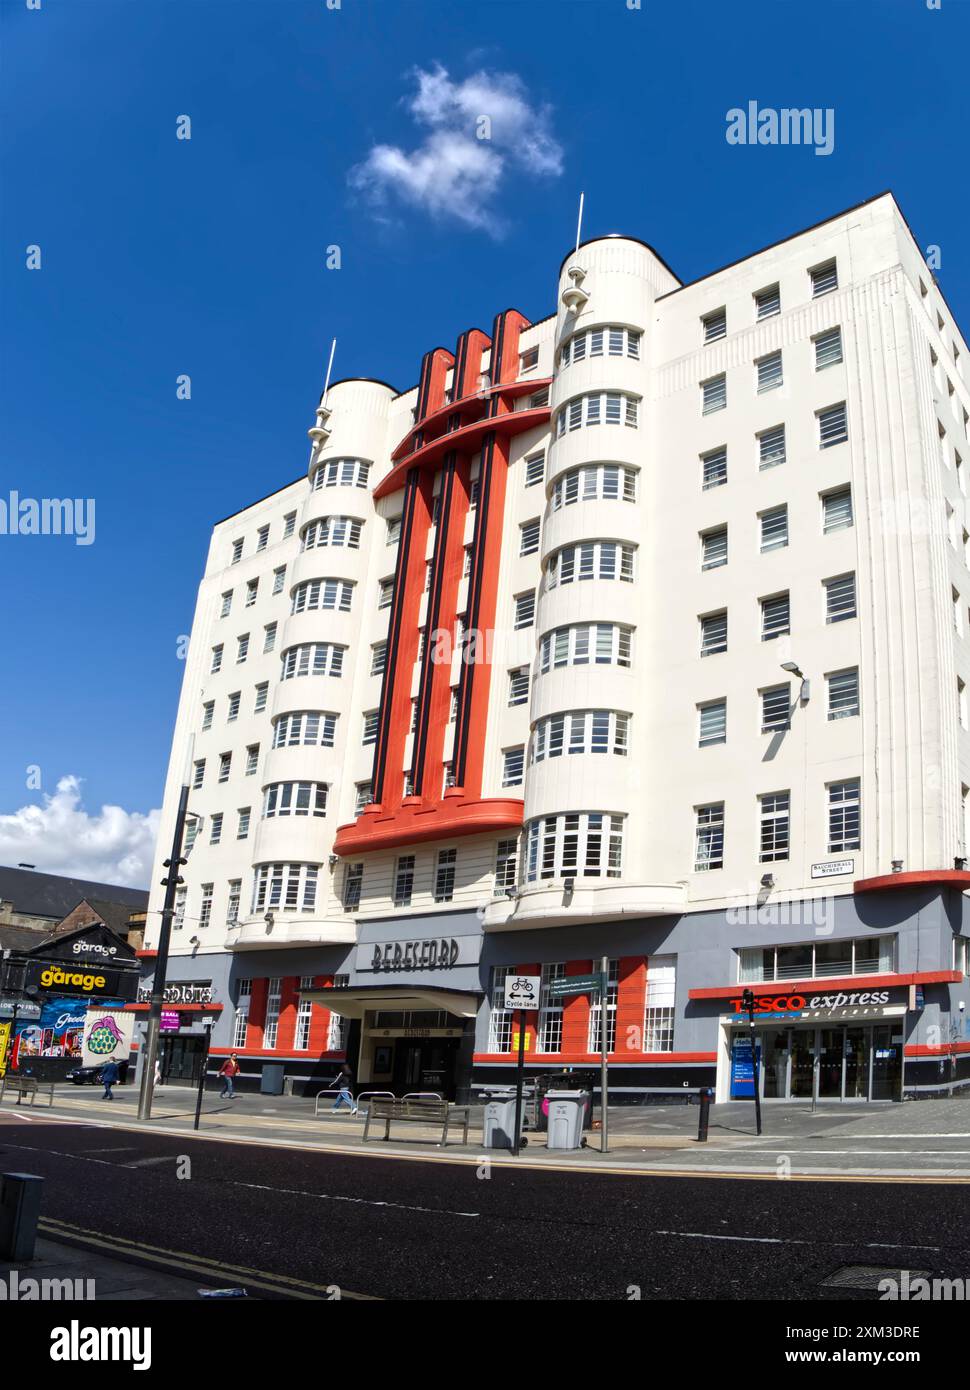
(598, 408)
(775, 616)
(371, 717)
(333, 531)
(828, 349)
(519, 686)
(594, 342)
(771, 447)
(775, 708)
(403, 880)
(262, 691)
(774, 529)
(215, 828)
(385, 594)
(606, 481)
(364, 796)
(234, 899)
(836, 510)
(550, 1009)
(242, 827)
(594, 1039)
(713, 394)
(715, 325)
(262, 538)
(313, 659)
(658, 1023)
(279, 579)
(353, 884)
(712, 723)
(444, 875)
(767, 302)
(315, 728)
(474, 488)
(714, 468)
(591, 560)
(198, 773)
(585, 644)
(540, 398)
(332, 595)
(271, 1024)
(341, 473)
(378, 658)
(824, 279)
(774, 827)
(208, 709)
(295, 799)
(709, 837)
(205, 907)
(814, 960)
(393, 530)
(242, 648)
(453, 705)
(225, 763)
(583, 844)
(226, 604)
(513, 763)
(528, 359)
(289, 525)
(832, 426)
(714, 548)
(844, 816)
(252, 759)
(191, 831)
(304, 1011)
(840, 598)
(506, 865)
(843, 691)
(252, 589)
(233, 711)
(535, 469)
(581, 731)
(237, 550)
(770, 373)
(525, 609)
(529, 537)
(216, 663)
(714, 633)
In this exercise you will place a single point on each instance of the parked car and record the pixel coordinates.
(88, 1076)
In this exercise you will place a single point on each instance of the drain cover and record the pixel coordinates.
(867, 1276)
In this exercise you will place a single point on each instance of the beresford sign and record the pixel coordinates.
(425, 953)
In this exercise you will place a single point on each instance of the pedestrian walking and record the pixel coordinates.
(158, 1071)
(108, 1076)
(229, 1069)
(343, 1081)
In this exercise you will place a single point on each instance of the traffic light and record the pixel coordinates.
(747, 1001)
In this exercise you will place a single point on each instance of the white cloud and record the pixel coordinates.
(61, 837)
(454, 172)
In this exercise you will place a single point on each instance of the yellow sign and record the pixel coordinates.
(4, 1041)
(515, 1042)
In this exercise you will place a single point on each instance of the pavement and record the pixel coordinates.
(926, 1140)
(91, 1277)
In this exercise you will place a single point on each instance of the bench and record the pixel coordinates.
(26, 1086)
(418, 1112)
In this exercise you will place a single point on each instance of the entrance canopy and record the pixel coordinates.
(354, 1000)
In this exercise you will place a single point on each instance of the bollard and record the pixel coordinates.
(19, 1209)
(706, 1096)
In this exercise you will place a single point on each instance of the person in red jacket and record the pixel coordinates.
(229, 1069)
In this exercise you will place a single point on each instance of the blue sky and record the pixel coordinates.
(208, 257)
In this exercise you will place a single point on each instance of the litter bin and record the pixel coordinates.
(567, 1116)
(562, 1081)
(498, 1125)
(271, 1081)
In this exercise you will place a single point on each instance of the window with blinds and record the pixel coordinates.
(713, 394)
(714, 325)
(714, 633)
(832, 426)
(828, 349)
(824, 278)
(709, 837)
(836, 510)
(774, 529)
(770, 373)
(775, 708)
(767, 302)
(775, 824)
(712, 723)
(843, 693)
(771, 447)
(775, 616)
(840, 598)
(714, 468)
(714, 548)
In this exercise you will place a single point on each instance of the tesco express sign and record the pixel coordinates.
(794, 1003)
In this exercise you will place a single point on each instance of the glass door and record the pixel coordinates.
(887, 1062)
(802, 1063)
(775, 1049)
(830, 1058)
(858, 1053)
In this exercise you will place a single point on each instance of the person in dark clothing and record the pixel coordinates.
(108, 1077)
(344, 1081)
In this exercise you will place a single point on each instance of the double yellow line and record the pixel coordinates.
(183, 1263)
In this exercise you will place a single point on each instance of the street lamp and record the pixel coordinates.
(793, 669)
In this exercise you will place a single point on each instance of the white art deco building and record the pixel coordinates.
(640, 630)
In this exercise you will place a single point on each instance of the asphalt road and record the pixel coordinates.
(402, 1229)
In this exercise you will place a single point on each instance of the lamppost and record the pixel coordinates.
(747, 1005)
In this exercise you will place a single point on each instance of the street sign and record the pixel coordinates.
(576, 984)
(522, 991)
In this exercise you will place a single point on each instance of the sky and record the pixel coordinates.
(311, 127)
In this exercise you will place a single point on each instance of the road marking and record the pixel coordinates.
(147, 1162)
(360, 1201)
(781, 1240)
(197, 1264)
(122, 1149)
